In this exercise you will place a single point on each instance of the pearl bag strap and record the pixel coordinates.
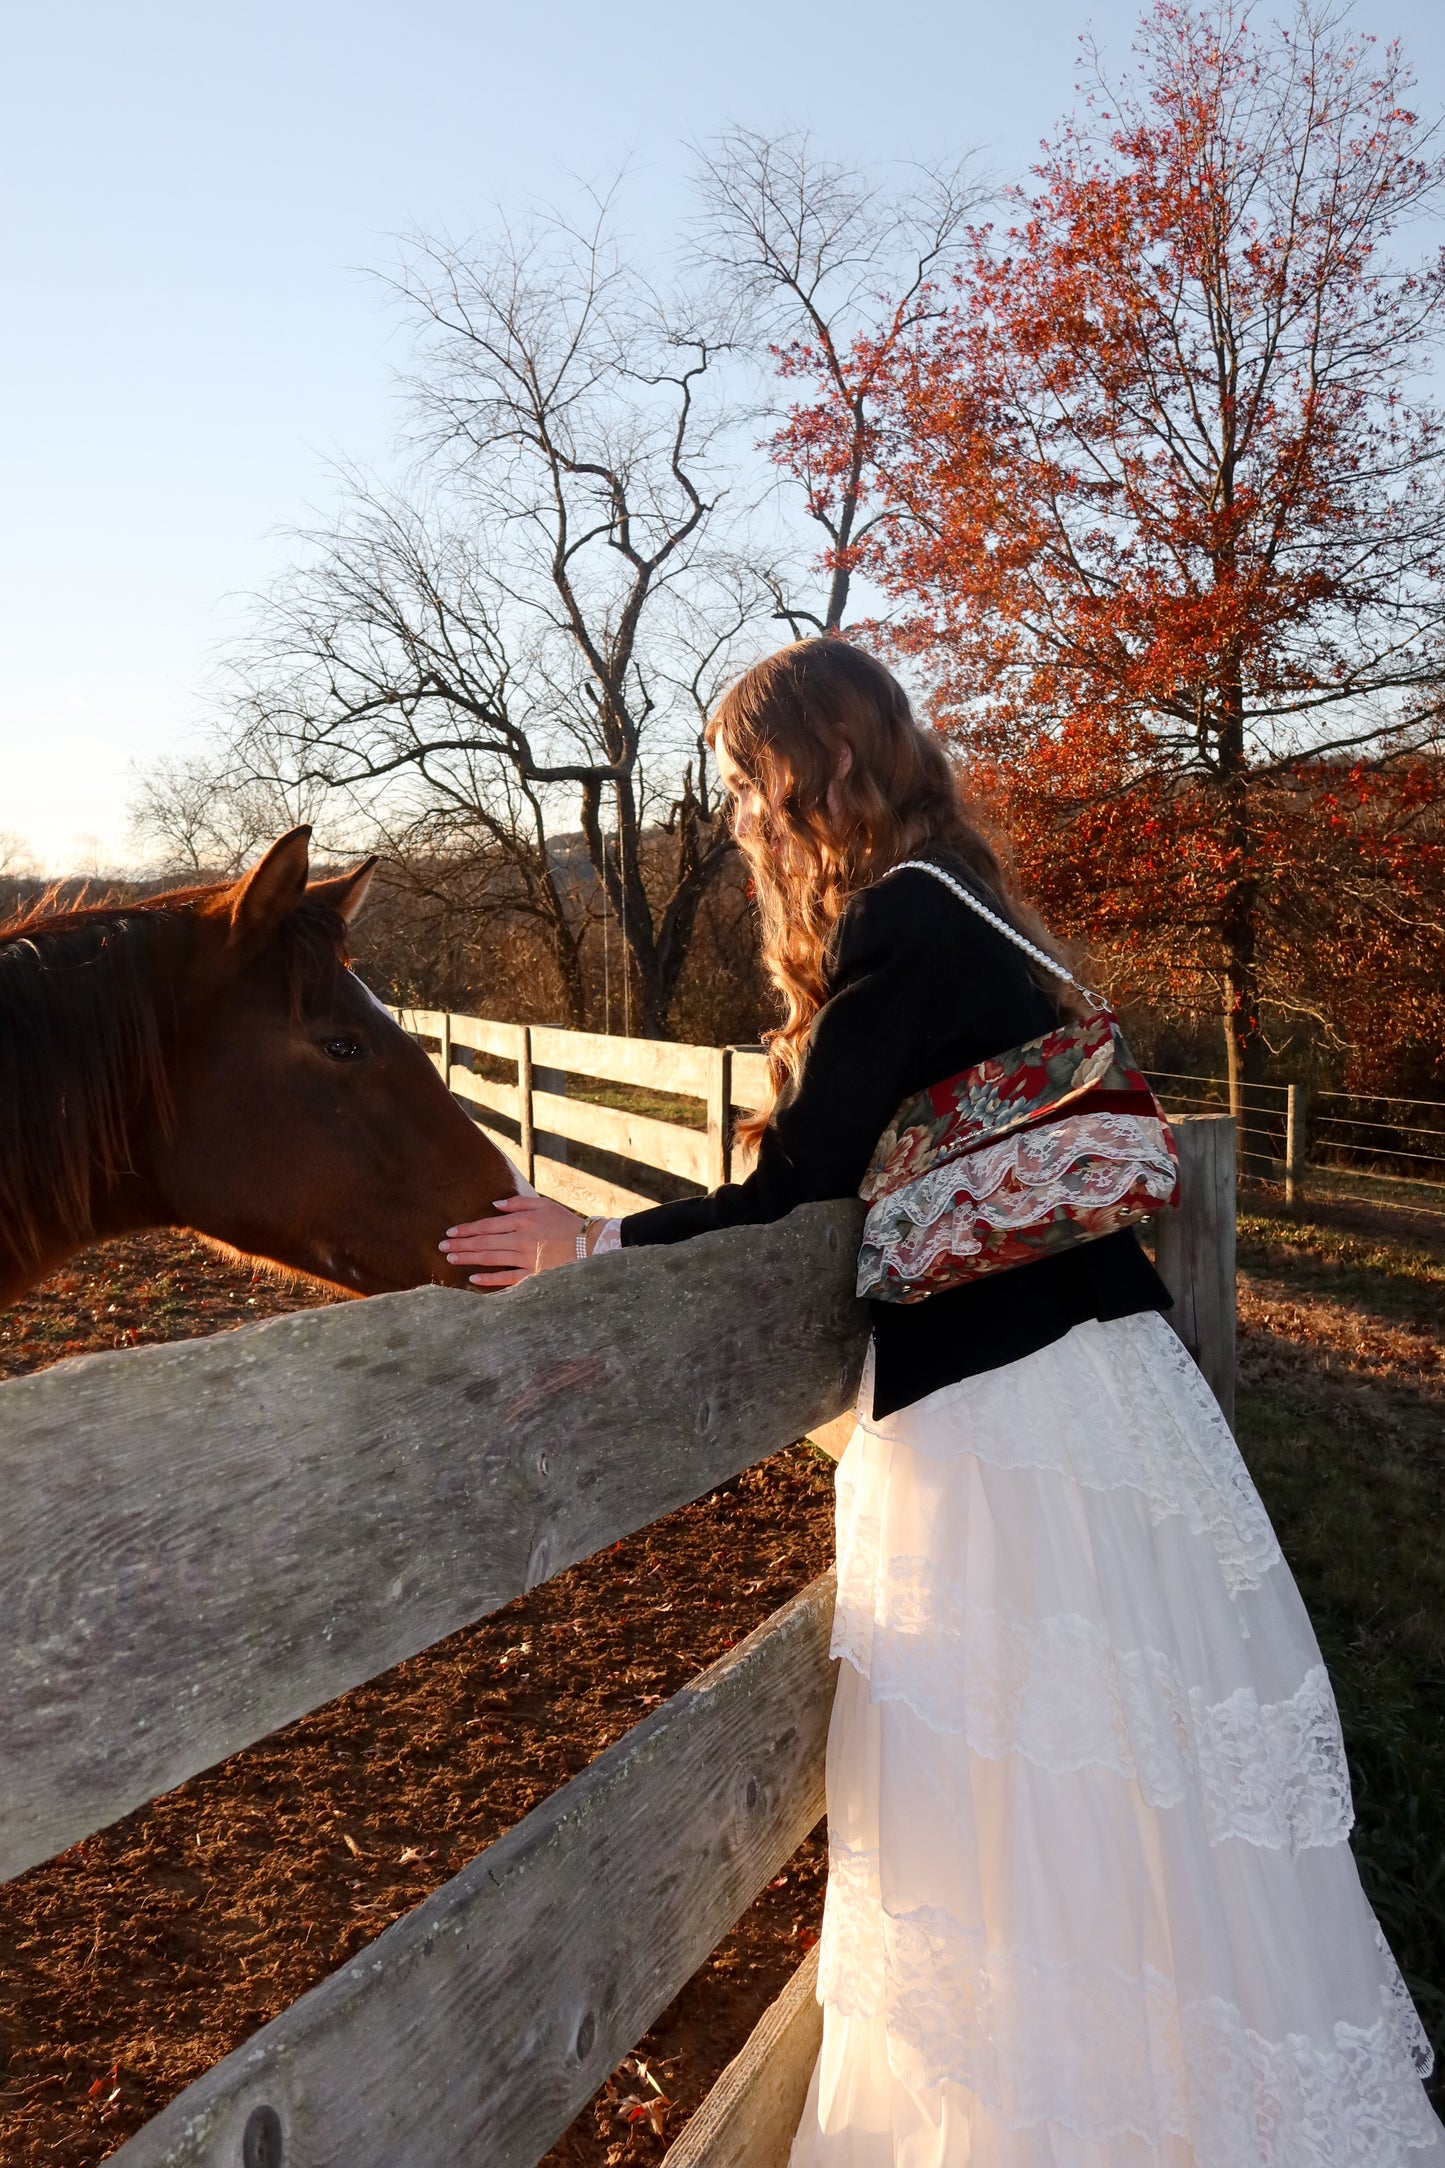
(1000, 925)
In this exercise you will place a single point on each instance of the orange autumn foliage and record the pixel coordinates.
(1350, 904)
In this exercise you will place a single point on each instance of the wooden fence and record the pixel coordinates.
(537, 1106)
(205, 1540)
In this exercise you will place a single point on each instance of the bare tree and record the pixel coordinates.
(17, 860)
(203, 814)
(527, 638)
(834, 271)
(20, 882)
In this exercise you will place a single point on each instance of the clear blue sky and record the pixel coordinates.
(192, 194)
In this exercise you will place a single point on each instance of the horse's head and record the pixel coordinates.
(305, 1126)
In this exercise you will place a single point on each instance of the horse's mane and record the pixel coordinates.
(87, 1026)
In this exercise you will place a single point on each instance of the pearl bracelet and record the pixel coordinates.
(607, 1236)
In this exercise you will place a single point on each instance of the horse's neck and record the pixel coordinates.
(91, 1086)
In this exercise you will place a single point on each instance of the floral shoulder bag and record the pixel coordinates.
(1056, 1142)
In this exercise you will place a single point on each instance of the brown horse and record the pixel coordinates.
(206, 1059)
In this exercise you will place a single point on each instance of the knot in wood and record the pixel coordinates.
(261, 2141)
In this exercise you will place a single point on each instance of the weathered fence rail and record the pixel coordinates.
(476, 2028)
(751, 2116)
(202, 1541)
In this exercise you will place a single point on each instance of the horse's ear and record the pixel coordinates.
(271, 890)
(346, 892)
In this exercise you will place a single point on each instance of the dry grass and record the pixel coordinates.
(1341, 1416)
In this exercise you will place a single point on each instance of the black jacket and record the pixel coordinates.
(919, 988)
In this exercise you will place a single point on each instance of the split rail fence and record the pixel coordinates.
(535, 1114)
(202, 1541)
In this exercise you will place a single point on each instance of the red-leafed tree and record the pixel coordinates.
(1166, 507)
(1349, 858)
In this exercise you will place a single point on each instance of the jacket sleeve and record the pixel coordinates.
(862, 1048)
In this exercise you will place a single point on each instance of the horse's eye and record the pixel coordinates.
(342, 1048)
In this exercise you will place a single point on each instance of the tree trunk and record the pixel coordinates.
(1238, 927)
(566, 950)
(654, 950)
(1243, 1046)
(847, 514)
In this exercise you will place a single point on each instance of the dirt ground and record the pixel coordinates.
(136, 1959)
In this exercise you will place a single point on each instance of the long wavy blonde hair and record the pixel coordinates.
(820, 836)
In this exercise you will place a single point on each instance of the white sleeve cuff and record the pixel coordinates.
(609, 1238)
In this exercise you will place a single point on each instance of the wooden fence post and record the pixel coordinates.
(1196, 1248)
(524, 1100)
(1296, 1108)
(719, 1114)
(446, 1039)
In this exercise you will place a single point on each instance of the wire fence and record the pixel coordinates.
(1339, 1147)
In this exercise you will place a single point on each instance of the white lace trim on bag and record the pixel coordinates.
(1090, 1159)
(1146, 1422)
(1055, 1691)
(1104, 2052)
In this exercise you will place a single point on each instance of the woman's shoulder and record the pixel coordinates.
(905, 925)
(912, 924)
(912, 898)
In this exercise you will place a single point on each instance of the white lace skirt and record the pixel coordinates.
(1090, 1898)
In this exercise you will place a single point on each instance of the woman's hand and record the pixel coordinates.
(529, 1234)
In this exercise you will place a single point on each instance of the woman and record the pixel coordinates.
(1090, 1899)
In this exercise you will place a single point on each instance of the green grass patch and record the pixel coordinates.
(638, 1099)
(1355, 1496)
(627, 1098)
(1401, 1280)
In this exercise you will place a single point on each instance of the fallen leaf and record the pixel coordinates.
(411, 1853)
